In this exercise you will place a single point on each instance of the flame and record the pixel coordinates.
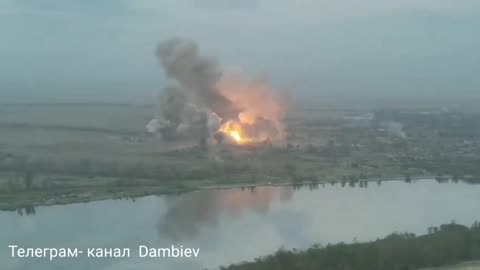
(261, 111)
(236, 136)
(237, 133)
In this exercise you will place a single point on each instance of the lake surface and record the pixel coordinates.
(233, 225)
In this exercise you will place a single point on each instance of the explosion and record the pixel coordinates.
(212, 105)
(261, 112)
(236, 132)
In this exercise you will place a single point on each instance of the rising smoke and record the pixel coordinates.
(203, 98)
(394, 128)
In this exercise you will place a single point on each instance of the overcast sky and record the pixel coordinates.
(303, 45)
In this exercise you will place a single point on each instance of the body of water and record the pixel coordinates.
(232, 225)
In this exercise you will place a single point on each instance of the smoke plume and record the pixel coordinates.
(204, 100)
(394, 128)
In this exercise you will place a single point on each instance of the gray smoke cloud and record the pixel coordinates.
(394, 128)
(192, 106)
(202, 98)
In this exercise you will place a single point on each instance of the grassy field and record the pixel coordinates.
(83, 152)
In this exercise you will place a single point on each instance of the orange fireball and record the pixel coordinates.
(235, 132)
(261, 111)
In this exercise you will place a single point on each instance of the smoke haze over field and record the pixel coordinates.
(394, 128)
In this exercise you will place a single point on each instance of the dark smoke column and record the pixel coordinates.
(192, 106)
(203, 100)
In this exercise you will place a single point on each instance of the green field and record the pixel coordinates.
(63, 153)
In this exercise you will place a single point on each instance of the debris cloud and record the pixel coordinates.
(209, 104)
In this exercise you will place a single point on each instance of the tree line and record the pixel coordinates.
(444, 245)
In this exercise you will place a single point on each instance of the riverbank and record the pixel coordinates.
(24, 199)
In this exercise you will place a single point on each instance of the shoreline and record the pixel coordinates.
(304, 183)
(136, 192)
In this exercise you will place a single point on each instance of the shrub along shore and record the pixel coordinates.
(447, 244)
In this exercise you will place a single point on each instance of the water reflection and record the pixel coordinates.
(29, 210)
(188, 213)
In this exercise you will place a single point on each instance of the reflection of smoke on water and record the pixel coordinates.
(187, 214)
